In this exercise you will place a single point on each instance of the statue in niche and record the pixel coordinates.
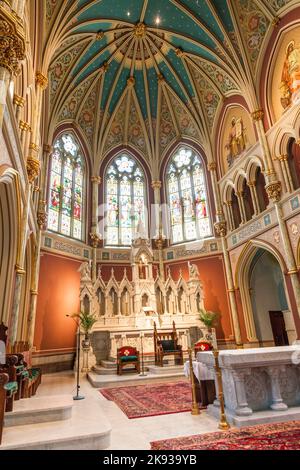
(193, 271)
(290, 77)
(237, 140)
(143, 266)
(85, 271)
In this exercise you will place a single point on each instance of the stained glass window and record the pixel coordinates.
(125, 200)
(186, 187)
(66, 188)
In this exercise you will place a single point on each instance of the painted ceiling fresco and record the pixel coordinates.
(144, 72)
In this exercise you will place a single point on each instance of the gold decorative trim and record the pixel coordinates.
(96, 179)
(156, 184)
(258, 115)
(274, 191)
(19, 101)
(33, 167)
(221, 228)
(131, 82)
(20, 270)
(95, 239)
(34, 147)
(140, 30)
(212, 166)
(12, 42)
(47, 148)
(34, 292)
(24, 126)
(41, 80)
(292, 271)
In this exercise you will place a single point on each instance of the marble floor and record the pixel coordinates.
(129, 434)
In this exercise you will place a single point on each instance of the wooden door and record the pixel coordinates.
(278, 328)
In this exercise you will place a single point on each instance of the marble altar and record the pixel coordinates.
(260, 385)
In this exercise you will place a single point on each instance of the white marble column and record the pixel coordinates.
(243, 408)
(277, 401)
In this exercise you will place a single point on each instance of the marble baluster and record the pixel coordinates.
(243, 408)
(277, 401)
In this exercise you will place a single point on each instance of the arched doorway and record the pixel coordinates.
(268, 317)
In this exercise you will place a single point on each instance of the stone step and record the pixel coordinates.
(87, 429)
(100, 381)
(109, 364)
(166, 369)
(39, 410)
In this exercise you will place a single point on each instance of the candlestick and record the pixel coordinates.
(223, 424)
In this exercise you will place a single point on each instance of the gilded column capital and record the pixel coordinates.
(33, 167)
(24, 126)
(96, 179)
(212, 166)
(19, 101)
(160, 241)
(274, 191)
(221, 228)
(47, 148)
(282, 158)
(251, 184)
(42, 218)
(34, 147)
(95, 239)
(258, 115)
(41, 80)
(12, 42)
(228, 203)
(156, 184)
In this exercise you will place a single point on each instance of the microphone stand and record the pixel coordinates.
(77, 396)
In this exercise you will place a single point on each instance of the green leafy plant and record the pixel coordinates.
(86, 321)
(208, 318)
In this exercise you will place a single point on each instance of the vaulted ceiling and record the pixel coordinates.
(144, 72)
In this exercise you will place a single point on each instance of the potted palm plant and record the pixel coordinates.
(209, 319)
(86, 323)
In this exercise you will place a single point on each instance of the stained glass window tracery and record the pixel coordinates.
(66, 188)
(187, 194)
(125, 200)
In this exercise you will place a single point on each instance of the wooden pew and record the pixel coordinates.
(11, 386)
(3, 381)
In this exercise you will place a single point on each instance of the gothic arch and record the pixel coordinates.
(241, 278)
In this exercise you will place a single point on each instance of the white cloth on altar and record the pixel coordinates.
(201, 371)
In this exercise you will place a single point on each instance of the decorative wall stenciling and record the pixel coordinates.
(209, 96)
(73, 103)
(86, 117)
(167, 128)
(254, 25)
(60, 68)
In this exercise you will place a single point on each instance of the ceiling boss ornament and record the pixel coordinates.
(140, 30)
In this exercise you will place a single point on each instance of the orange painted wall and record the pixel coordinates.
(58, 295)
(215, 290)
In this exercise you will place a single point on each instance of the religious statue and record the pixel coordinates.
(237, 140)
(85, 271)
(193, 271)
(290, 77)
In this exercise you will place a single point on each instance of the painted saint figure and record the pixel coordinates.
(237, 140)
(290, 77)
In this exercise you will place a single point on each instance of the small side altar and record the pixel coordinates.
(260, 385)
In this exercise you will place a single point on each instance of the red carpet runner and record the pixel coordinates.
(151, 400)
(280, 436)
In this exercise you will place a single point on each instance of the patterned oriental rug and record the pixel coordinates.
(279, 436)
(151, 400)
